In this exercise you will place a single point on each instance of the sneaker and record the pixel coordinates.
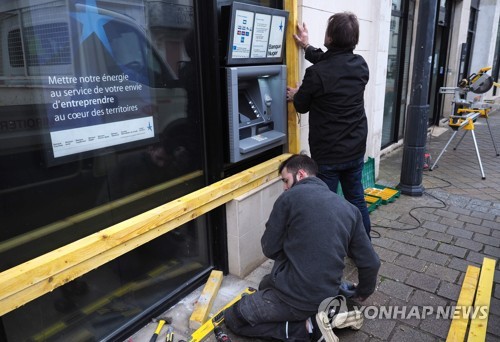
(351, 319)
(322, 329)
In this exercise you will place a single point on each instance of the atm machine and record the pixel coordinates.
(255, 78)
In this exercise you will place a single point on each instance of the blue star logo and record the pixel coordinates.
(281, 26)
(93, 22)
(149, 126)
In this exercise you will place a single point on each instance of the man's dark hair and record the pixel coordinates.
(343, 29)
(297, 162)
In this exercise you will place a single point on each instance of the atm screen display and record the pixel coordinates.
(248, 112)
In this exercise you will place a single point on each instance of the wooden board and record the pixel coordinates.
(479, 322)
(204, 304)
(459, 324)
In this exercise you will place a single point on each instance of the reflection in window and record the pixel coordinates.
(47, 202)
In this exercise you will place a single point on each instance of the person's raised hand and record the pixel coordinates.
(302, 36)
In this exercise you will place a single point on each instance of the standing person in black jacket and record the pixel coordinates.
(308, 235)
(332, 92)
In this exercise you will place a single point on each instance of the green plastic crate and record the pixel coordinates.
(371, 188)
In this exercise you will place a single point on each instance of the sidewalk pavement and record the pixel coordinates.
(425, 244)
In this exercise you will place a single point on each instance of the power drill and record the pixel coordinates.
(220, 336)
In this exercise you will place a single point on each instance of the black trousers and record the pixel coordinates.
(263, 315)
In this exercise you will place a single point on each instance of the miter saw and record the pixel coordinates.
(466, 112)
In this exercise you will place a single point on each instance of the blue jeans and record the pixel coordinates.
(349, 174)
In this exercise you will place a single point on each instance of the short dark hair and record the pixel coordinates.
(297, 162)
(343, 29)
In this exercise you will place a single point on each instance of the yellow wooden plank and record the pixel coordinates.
(41, 275)
(479, 322)
(292, 63)
(204, 304)
(460, 321)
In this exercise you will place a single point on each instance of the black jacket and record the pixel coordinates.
(332, 92)
(308, 234)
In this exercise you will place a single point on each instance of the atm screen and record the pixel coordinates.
(247, 109)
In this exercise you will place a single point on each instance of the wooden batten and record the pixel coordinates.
(43, 274)
(292, 63)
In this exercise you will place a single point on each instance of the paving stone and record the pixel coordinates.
(496, 292)
(460, 211)
(404, 248)
(395, 289)
(437, 327)
(469, 219)
(424, 298)
(385, 254)
(491, 224)
(443, 273)
(378, 298)
(452, 222)
(423, 242)
(448, 290)
(477, 229)
(349, 335)
(493, 328)
(482, 215)
(469, 244)
(476, 257)
(445, 213)
(438, 236)
(437, 227)
(435, 257)
(460, 264)
(382, 242)
(460, 232)
(399, 312)
(404, 333)
(419, 231)
(493, 251)
(496, 234)
(423, 281)
(453, 250)
(487, 240)
(394, 272)
(411, 263)
(495, 306)
(400, 236)
(381, 328)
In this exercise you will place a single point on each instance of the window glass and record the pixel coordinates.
(99, 122)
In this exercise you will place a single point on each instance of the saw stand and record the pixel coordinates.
(466, 116)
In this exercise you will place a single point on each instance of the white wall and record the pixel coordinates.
(374, 19)
(483, 50)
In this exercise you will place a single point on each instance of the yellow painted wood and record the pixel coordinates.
(460, 321)
(479, 323)
(41, 275)
(292, 63)
(204, 304)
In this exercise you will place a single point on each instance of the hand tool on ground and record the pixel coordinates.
(202, 332)
(161, 322)
(170, 335)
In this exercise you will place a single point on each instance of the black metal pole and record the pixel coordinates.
(418, 109)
